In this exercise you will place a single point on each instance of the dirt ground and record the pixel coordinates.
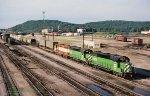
(65, 90)
(139, 58)
(86, 68)
(52, 82)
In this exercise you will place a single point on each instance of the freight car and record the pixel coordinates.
(24, 39)
(118, 65)
(5, 37)
(121, 38)
(137, 41)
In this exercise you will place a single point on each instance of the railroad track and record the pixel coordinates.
(36, 84)
(62, 74)
(96, 79)
(10, 84)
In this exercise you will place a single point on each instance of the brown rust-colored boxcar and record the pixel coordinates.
(121, 38)
(137, 41)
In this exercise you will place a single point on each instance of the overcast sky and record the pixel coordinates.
(14, 12)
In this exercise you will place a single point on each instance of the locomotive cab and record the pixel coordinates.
(127, 69)
(85, 52)
(122, 66)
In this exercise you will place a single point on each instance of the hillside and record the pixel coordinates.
(102, 26)
(37, 25)
(119, 26)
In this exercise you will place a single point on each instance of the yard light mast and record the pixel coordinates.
(43, 12)
(53, 33)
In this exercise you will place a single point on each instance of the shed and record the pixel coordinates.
(145, 32)
(92, 44)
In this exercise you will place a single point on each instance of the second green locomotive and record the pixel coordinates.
(118, 65)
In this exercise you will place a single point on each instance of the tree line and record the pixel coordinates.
(102, 26)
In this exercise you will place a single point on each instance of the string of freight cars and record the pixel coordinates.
(118, 65)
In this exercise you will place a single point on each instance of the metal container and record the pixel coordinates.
(137, 41)
(121, 38)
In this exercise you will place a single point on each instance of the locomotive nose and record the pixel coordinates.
(131, 68)
(128, 67)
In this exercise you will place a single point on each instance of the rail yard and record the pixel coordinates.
(34, 65)
(74, 48)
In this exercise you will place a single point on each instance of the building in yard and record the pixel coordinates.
(81, 30)
(76, 34)
(67, 34)
(70, 34)
(46, 31)
(92, 44)
(49, 32)
(145, 32)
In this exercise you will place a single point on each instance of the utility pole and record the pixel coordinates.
(83, 38)
(92, 34)
(53, 34)
(44, 26)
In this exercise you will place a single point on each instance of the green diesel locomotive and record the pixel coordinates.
(118, 65)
